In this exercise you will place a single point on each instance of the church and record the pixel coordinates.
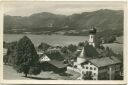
(90, 60)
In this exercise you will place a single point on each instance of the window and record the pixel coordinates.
(90, 68)
(82, 66)
(94, 73)
(91, 64)
(86, 67)
(75, 66)
(94, 68)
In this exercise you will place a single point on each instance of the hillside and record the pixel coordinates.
(45, 22)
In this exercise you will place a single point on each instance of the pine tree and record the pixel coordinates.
(26, 56)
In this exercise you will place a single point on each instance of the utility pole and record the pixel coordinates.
(110, 73)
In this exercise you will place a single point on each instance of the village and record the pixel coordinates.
(90, 60)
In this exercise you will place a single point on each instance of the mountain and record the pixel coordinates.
(102, 19)
(45, 22)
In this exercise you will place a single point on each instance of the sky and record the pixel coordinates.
(65, 8)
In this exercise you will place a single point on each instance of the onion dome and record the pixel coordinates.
(92, 30)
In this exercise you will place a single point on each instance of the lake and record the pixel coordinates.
(58, 40)
(55, 40)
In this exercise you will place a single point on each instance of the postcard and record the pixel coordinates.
(63, 42)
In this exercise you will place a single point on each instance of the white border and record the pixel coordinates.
(65, 81)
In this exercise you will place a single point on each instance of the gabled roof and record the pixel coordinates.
(58, 64)
(105, 61)
(44, 58)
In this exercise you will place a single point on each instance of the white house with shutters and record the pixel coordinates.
(100, 68)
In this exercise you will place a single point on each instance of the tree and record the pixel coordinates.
(72, 48)
(98, 41)
(35, 70)
(43, 46)
(26, 56)
(64, 50)
(81, 44)
(87, 76)
(108, 52)
(9, 57)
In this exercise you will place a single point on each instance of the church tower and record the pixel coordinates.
(92, 34)
(82, 57)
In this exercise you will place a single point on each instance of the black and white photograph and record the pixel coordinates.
(52, 40)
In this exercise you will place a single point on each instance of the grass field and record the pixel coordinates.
(117, 48)
(10, 74)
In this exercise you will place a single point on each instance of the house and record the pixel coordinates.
(55, 66)
(50, 64)
(108, 67)
(44, 58)
(40, 53)
(54, 49)
(104, 68)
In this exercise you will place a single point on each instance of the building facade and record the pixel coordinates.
(101, 68)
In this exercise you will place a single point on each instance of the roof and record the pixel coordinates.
(44, 57)
(82, 54)
(91, 51)
(88, 51)
(105, 61)
(58, 64)
(40, 53)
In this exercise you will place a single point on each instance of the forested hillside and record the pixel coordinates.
(75, 24)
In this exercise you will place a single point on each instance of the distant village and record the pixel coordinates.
(91, 60)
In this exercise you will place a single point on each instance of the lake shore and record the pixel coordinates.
(59, 40)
